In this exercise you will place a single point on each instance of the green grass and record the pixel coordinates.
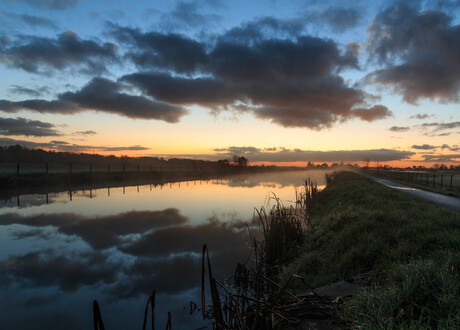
(359, 225)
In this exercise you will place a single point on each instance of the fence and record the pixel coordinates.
(439, 180)
(46, 168)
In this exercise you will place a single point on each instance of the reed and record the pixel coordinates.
(252, 300)
(97, 317)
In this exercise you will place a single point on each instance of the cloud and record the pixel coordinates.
(67, 272)
(424, 147)
(189, 14)
(418, 51)
(374, 113)
(166, 254)
(39, 54)
(85, 133)
(167, 248)
(101, 232)
(338, 18)
(157, 50)
(265, 67)
(291, 82)
(23, 126)
(265, 27)
(104, 95)
(66, 146)
(298, 155)
(431, 147)
(52, 4)
(420, 116)
(441, 126)
(31, 20)
(399, 128)
(28, 91)
(450, 158)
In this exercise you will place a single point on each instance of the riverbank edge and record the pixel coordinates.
(334, 250)
(13, 185)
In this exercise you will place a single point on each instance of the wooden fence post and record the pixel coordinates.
(108, 168)
(451, 181)
(90, 168)
(441, 180)
(434, 178)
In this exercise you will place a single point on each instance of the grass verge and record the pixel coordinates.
(413, 246)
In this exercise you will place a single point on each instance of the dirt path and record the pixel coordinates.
(448, 201)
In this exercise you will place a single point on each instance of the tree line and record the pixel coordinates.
(20, 154)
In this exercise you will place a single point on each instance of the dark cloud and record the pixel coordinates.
(263, 27)
(452, 158)
(441, 126)
(338, 18)
(104, 95)
(424, 147)
(101, 232)
(157, 50)
(166, 254)
(374, 113)
(168, 248)
(182, 239)
(86, 132)
(131, 148)
(298, 155)
(42, 106)
(28, 91)
(419, 51)
(448, 5)
(23, 126)
(31, 20)
(453, 148)
(177, 90)
(67, 146)
(420, 116)
(38, 54)
(52, 4)
(101, 95)
(67, 272)
(293, 83)
(399, 128)
(432, 147)
(189, 14)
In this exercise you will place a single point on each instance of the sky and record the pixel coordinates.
(279, 82)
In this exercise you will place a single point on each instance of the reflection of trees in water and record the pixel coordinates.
(277, 179)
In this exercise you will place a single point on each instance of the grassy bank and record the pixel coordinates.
(412, 246)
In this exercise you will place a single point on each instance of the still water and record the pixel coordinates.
(60, 252)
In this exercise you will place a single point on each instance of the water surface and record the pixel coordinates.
(59, 252)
